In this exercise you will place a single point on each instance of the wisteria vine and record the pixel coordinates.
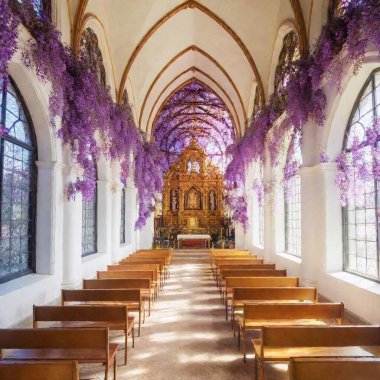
(91, 122)
(344, 35)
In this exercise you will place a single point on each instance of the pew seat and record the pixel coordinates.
(81, 345)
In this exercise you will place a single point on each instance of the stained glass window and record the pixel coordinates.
(293, 204)
(90, 225)
(289, 53)
(360, 216)
(90, 47)
(17, 186)
(122, 217)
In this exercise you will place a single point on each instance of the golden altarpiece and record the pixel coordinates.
(192, 194)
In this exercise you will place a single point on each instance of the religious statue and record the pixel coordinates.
(174, 200)
(212, 200)
(193, 166)
(193, 199)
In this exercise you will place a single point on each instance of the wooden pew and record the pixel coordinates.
(129, 297)
(123, 283)
(287, 294)
(155, 253)
(82, 345)
(38, 370)
(241, 261)
(131, 274)
(245, 281)
(133, 266)
(165, 259)
(256, 315)
(334, 368)
(240, 268)
(280, 343)
(142, 260)
(111, 317)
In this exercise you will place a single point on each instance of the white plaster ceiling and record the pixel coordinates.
(219, 60)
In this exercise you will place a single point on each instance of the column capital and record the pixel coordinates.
(49, 165)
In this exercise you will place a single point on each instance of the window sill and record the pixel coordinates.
(289, 257)
(22, 282)
(91, 257)
(360, 282)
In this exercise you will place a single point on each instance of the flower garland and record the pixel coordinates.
(306, 100)
(91, 123)
(359, 165)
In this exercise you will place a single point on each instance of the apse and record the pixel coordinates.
(194, 112)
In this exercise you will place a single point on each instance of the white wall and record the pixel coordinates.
(321, 262)
(59, 221)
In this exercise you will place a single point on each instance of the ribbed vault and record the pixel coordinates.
(194, 112)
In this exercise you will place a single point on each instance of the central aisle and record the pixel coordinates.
(186, 336)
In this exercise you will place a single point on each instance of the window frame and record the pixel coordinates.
(32, 205)
(123, 234)
(344, 210)
(95, 220)
(287, 228)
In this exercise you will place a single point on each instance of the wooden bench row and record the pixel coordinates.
(78, 330)
(292, 322)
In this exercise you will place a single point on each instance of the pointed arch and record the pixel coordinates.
(191, 4)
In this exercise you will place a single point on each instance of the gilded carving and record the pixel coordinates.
(192, 196)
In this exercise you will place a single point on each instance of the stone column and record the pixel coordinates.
(72, 235)
(312, 222)
(104, 209)
(116, 219)
(49, 217)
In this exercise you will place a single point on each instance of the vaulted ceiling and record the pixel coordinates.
(155, 46)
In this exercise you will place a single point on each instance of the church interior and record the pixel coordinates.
(189, 189)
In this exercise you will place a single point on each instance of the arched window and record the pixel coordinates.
(360, 216)
(122, 217)
(292, 197)
(289, 53)
(90, 223)
(90, 47)
(18, 185)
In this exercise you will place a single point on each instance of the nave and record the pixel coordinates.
(186, 337)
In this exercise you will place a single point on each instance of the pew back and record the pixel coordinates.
(38, 370)
(275, 294)
(334, 368)
(101, 295)
(151, 275)
(320, 336)
(117, 283)
(261, 282)
(268, 311)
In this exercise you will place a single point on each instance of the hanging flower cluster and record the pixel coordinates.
(359, 165)
(194, 113)
(91, 123)
(347, 34)
(149, 174)
(8, 31)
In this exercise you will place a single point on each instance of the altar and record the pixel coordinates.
(194, 241)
